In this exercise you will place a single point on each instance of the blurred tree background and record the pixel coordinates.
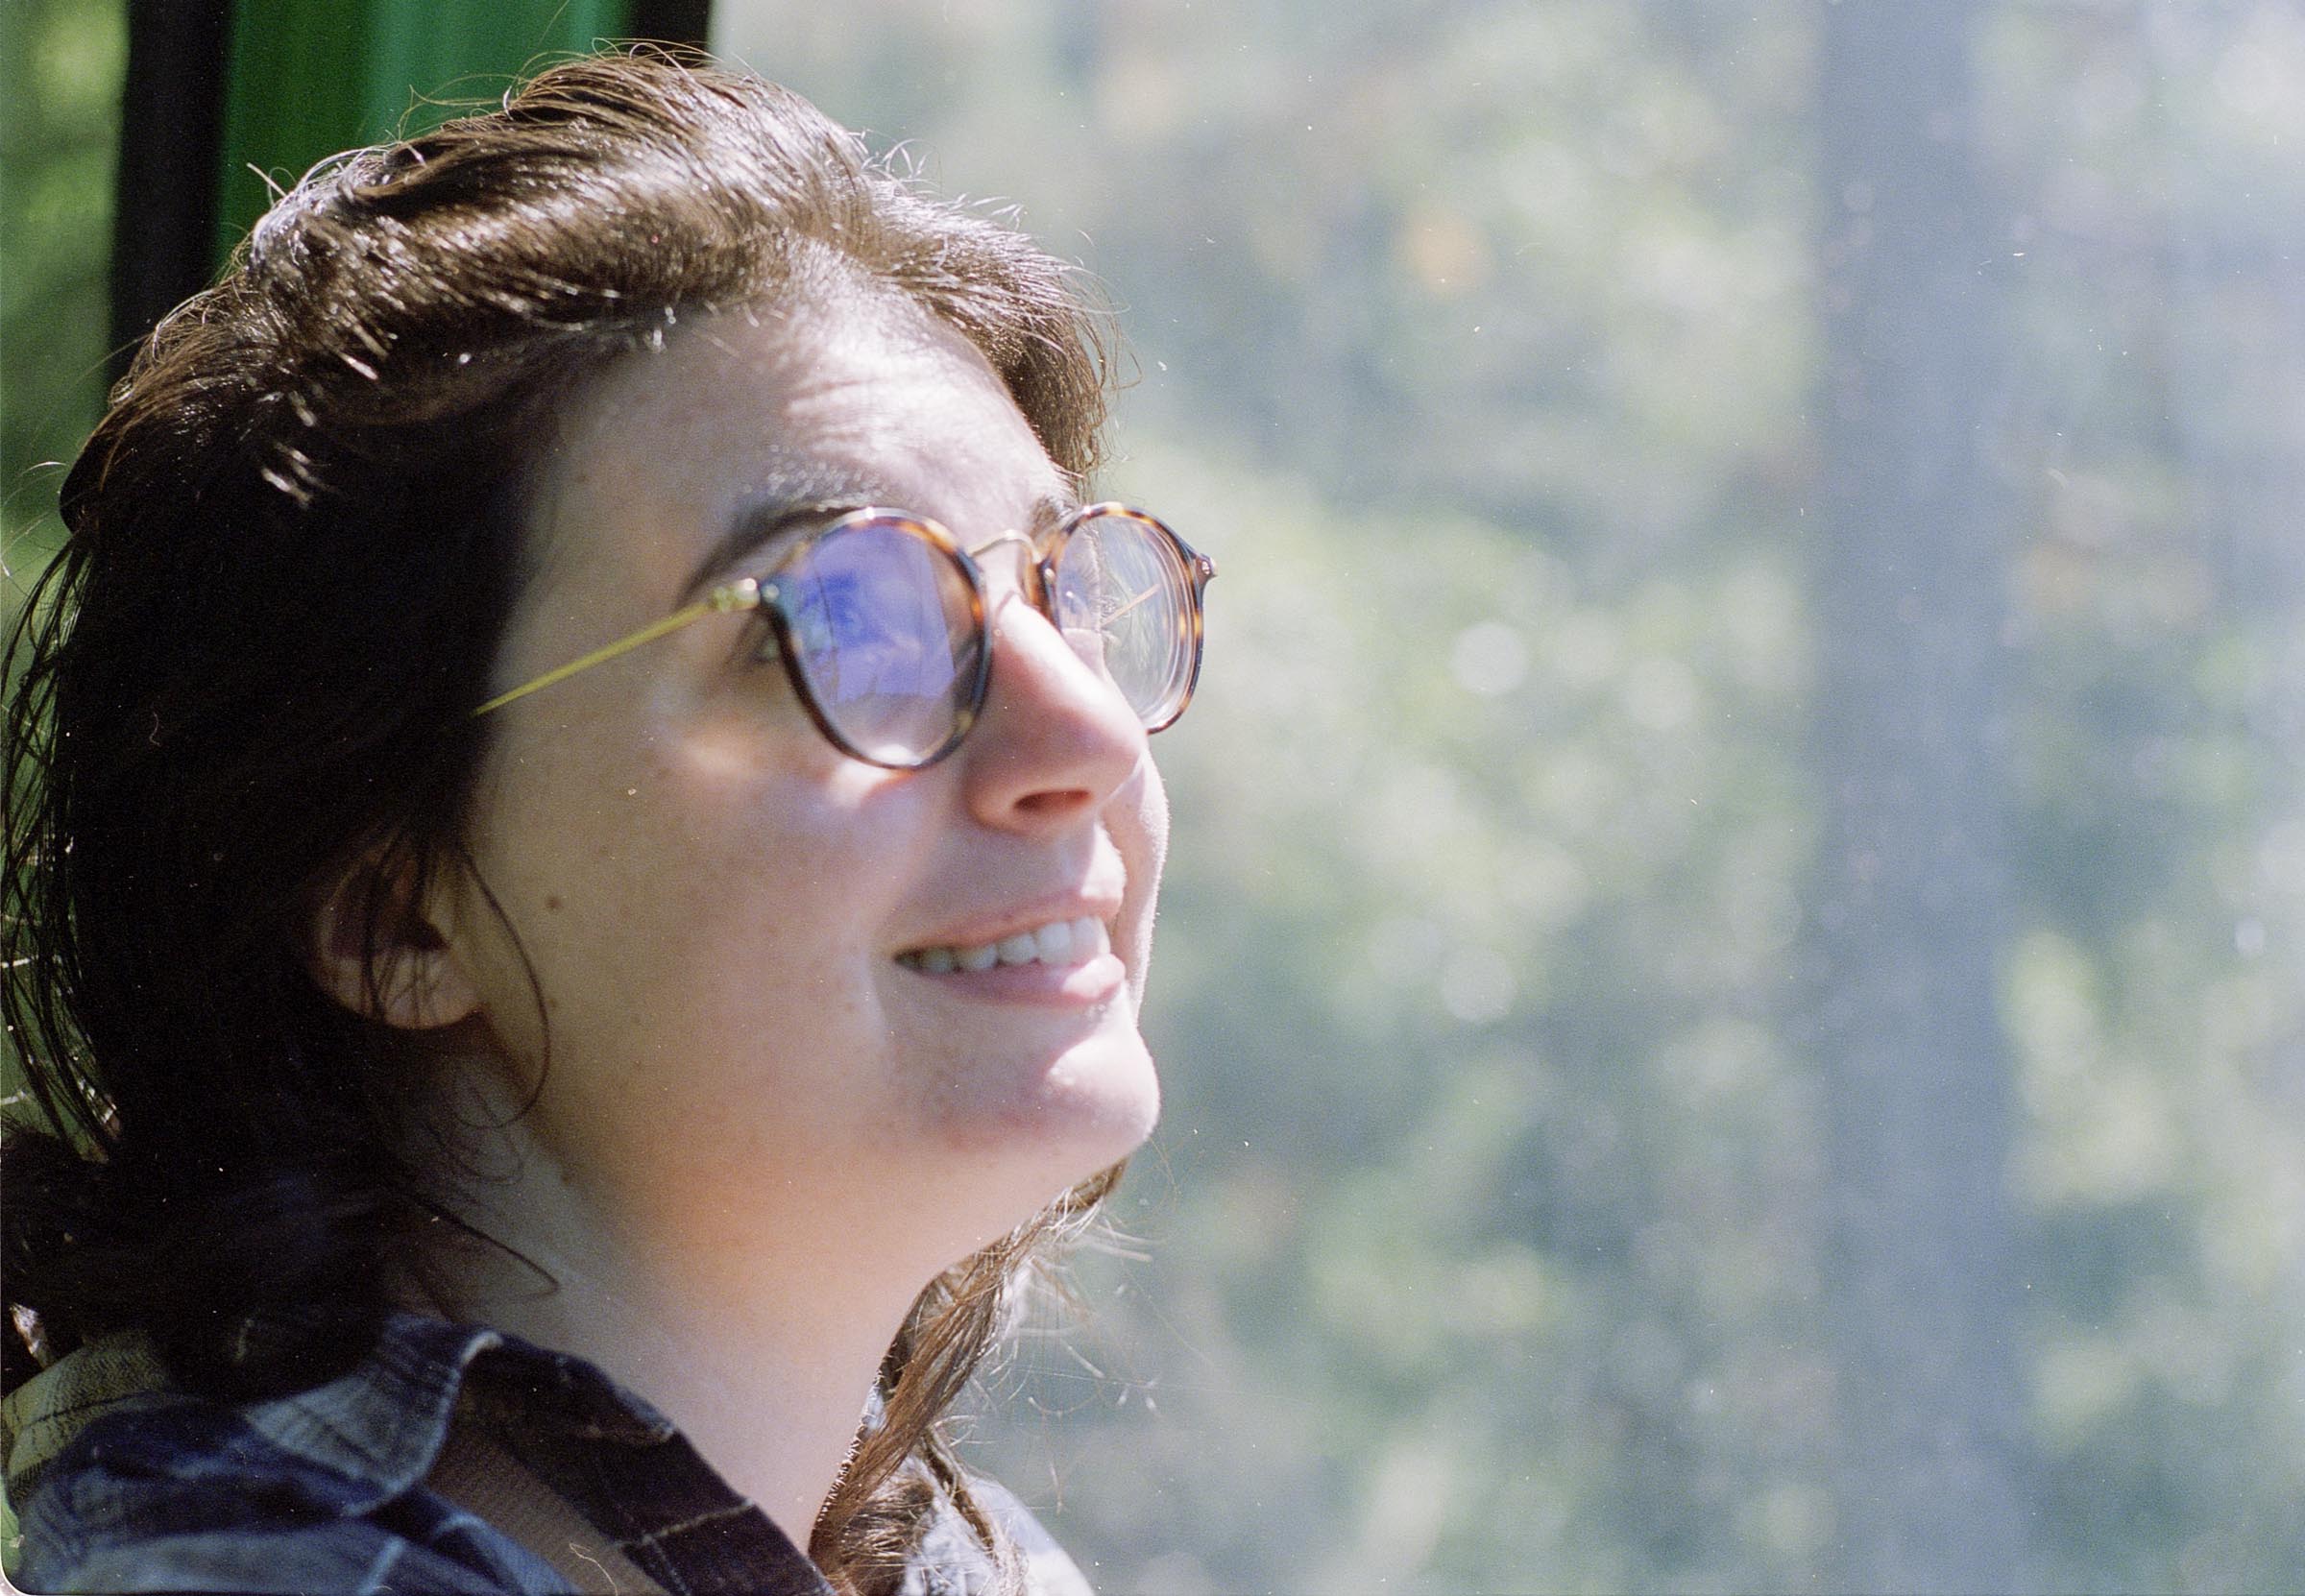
(61, 68)
(1733, 990)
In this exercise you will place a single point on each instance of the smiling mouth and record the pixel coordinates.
(1059, 942)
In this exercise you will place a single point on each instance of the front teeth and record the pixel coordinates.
(1059, 942)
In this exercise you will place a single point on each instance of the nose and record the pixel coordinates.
(1056, 739)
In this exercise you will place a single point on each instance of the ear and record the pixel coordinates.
(375, 944)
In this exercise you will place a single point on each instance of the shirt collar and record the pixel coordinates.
(374, 1432)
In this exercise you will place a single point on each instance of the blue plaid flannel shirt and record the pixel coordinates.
(122, 1483)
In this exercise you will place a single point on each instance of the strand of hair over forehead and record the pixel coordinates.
(677, 185)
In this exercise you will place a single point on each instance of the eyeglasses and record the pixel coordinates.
(880, 618)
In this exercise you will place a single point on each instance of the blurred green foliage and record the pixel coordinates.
(1483, 1246)
(60, 125)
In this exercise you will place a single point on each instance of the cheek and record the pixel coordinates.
(1153, 816)
(696, 923)
(1139, 821)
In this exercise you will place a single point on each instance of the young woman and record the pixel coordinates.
(582, 859)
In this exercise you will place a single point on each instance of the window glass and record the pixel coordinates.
(1732, 987)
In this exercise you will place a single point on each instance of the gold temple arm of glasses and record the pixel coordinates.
(735, 596)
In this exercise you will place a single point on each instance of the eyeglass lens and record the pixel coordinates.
(883, 623)
(1123, 595)
(884, 630)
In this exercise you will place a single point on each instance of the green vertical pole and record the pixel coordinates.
(305, 79)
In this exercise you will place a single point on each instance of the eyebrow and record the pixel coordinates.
(788, 492)
(806, 490)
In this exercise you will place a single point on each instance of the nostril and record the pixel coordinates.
(1062, 801)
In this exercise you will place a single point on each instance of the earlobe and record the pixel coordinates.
(376, 942)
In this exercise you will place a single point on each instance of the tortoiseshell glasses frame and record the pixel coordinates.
(879, 618)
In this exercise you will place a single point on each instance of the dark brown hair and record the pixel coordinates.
(295, 538)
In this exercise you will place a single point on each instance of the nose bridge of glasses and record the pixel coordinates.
(1026, 554)
(1034, 578)
(1028, 563)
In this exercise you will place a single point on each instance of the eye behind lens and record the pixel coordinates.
(888, 646)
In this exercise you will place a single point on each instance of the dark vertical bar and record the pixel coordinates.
(674, 21)
(171, 126)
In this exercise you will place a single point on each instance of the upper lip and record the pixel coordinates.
(999, 925)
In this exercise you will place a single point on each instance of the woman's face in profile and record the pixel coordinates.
(717, 904)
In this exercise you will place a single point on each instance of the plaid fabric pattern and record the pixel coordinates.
(121, 1483)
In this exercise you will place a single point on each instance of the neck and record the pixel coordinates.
(764, 1363)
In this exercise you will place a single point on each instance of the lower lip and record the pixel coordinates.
(1079, 985)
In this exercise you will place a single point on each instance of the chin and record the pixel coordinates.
(1085, 1115)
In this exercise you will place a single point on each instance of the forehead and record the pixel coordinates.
(861, 396)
